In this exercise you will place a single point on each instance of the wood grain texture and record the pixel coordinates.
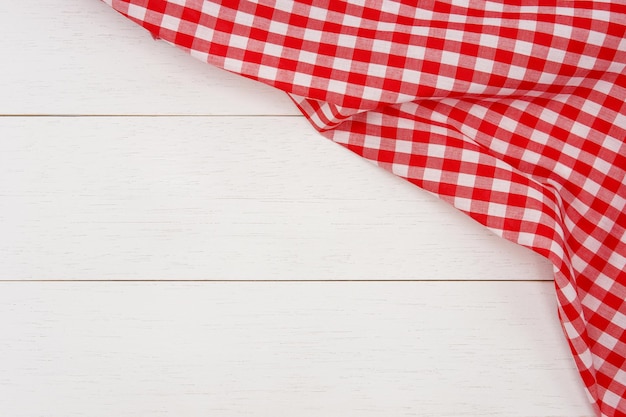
(81, 57)
(266, 349)
(223, 198)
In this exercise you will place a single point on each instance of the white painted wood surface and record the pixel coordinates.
(266, 349)
(227, 198)
(79, 57)
(227, 183)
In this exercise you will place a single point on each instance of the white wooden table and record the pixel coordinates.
(177, 241)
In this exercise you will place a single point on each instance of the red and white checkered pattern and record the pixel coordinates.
(512, 111)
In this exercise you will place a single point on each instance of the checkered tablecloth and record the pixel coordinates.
(512, 111)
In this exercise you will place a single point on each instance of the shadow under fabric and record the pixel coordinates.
(513, 112)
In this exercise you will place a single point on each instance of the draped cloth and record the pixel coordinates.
(511, 111)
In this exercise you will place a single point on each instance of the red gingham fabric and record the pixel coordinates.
(512, 111)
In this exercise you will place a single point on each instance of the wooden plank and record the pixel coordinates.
(306, 349)
(81, 57)
(223, 198)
